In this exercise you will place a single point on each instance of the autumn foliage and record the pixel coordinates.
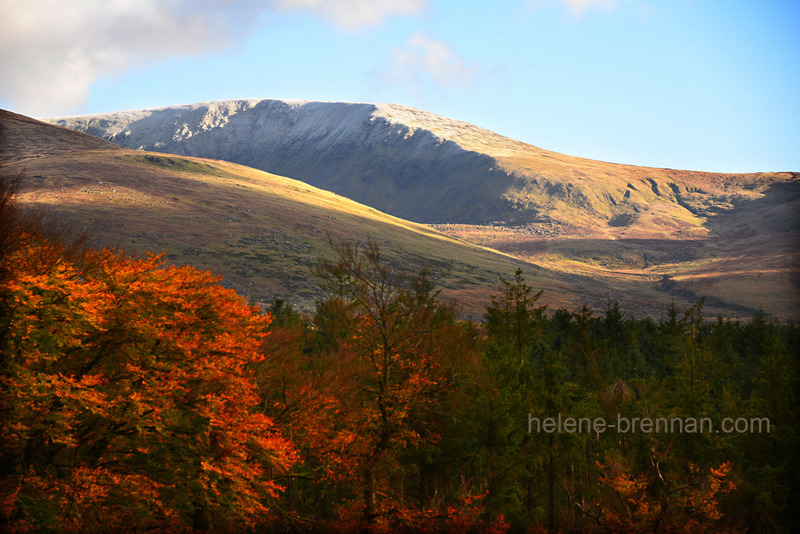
(642, 503)
(140, 396)
(127, 395)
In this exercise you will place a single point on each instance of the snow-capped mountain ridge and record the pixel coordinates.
(379, 154)
(432, 169)
(216, 114)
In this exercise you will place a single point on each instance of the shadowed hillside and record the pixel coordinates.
(349, 149)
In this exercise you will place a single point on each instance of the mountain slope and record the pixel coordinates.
(429, 168)
(644, 234)
(264, 233)
(344, 148)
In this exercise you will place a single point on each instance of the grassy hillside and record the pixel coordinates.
(265, 233)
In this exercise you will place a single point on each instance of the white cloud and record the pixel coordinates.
(423, 59)
(350, 14)
(52, 51)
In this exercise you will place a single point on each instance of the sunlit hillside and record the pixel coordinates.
(641, 235)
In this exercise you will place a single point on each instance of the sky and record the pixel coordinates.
(711, 85)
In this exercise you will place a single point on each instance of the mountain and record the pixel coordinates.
(387, 157)
(264, 233)
(645, 234)
(426, 167)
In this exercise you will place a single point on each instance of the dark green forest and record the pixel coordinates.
(138, 396)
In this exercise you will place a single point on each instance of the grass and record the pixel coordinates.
(264, 233)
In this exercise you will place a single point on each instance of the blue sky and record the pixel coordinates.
(692, 84)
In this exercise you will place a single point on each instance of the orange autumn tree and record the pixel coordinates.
(127, 396)
(661, 503)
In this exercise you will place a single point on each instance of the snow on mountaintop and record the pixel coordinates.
(341, 118)
(468, 136)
